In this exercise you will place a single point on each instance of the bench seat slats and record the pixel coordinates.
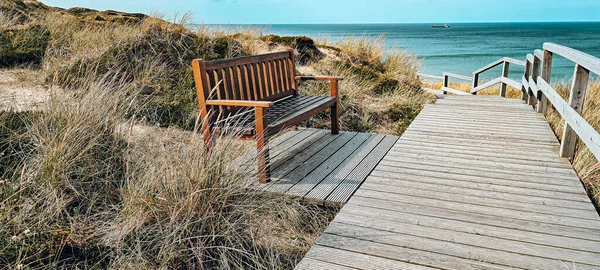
(291, 109)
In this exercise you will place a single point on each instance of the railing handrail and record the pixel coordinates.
(585, 60)
(537, 90)
(503, 79)
(457, 76)
(497, 63)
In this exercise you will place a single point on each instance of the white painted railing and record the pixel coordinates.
(537, 91)
(503, 79)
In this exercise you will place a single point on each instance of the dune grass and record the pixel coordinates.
(111, 173)
(83, 185)
(82, 188)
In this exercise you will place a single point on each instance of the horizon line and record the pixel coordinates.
(356, 23)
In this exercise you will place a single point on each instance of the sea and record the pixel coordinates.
(464, 47)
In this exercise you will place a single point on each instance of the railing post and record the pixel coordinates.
(576, 100)
(525, 91)
(530, 96)
(445, 83)
(546, 72)
(535, 72)
(475, 80)
(505, 69)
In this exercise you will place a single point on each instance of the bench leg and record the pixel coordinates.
(262, 149)
(206, 135)
(335, 127)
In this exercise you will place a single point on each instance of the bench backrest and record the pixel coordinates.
(266, 77)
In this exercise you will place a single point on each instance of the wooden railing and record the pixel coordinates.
(538, 91)
(503, 79)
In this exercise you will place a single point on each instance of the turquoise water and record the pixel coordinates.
(466, 47)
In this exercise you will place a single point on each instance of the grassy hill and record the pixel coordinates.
(109, 173)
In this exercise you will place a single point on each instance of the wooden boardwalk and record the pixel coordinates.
(327, 169)
(474, 183)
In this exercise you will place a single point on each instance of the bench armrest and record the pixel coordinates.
(239, 103)
(334, 80)
(319, 78)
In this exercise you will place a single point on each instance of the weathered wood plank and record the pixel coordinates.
(293, 146)
(447, 223)
(290, 173)
(515, 155)
(334, 179)
(587, 61)
(479, 155)
(456, 139)
(467, 252)
(457, 76)
(311, 264)
(349, 185)
(454, 91)
(517, 225)
(402, 254)
(454, 161)
(308, 182)
(491, 184)
(502, 251)
(537, 180)
(482, 209)
(479, 199)
(422, 183)
(358, 260)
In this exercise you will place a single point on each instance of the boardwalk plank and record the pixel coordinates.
(522, 169)
(334, 179)
(528, 252)
(484, 175)
(426, 184)
(310, 264)
(347, 187)
(482, 209)
(491, 185)
(302, 164)
(478, 218)
(415, 191)
(358, 260)
(403, 254)
(365, 212)
(311, 180)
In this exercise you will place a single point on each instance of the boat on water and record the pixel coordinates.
(441, 26)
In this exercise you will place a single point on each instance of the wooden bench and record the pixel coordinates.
(230, 89)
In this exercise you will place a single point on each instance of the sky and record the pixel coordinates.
(355, 11)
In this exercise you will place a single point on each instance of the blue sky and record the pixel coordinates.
(356, 11)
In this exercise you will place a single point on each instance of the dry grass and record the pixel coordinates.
(380, 93)
(83, 187)
(80, 190)
(586, 165)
